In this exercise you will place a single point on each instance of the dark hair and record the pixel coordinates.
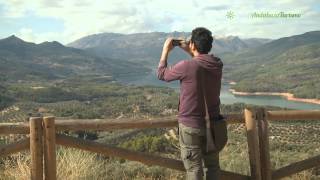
(202, 39)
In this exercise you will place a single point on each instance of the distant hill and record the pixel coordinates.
(146, 47)
(289, 64)
(20, 60)
(234, 44)
(256, 42)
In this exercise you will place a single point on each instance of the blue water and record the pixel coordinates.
(227, 97)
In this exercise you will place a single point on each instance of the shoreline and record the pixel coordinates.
(288, 96)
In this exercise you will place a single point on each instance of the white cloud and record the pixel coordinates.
(86, 17)
(27, 34)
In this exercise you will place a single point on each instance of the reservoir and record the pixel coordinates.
(227, 97)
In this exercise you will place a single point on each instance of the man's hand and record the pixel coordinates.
(167, 47)
(185, 46)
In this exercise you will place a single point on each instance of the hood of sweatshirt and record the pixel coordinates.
(209, 61)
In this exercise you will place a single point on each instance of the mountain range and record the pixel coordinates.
(146, 47)
(288, 64)
(20, 60)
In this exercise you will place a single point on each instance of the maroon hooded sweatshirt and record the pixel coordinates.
(191, 106)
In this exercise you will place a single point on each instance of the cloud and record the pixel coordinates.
(55, 3)
(216, 8)
(27, 34)
(81, 18)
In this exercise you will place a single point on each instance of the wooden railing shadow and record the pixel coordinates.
(44, 137)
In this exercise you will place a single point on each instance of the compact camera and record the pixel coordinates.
(178, 42)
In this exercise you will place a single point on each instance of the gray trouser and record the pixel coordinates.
(198, 163)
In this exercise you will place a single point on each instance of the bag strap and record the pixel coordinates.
(210, 141)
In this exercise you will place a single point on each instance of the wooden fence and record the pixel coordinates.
(43, 138)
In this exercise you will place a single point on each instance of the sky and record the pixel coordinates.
(68, 20)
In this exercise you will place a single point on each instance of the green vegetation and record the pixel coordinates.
(88, 100)
(286, 143)
(5, 99)
(150, 144)
(48, 61)
(285, 65)
(286, 146)
(83, 87)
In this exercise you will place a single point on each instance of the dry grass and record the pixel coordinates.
(235, 155)
(73, 164)
(16, 167)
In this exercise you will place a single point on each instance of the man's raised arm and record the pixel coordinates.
(172, 73)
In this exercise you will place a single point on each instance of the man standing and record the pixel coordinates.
(200, 84)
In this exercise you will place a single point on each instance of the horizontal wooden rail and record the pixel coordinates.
(15, 147)
(106, 124)
(14, 128)
(98, 124)
(258, 141)
(144, 158)
(234, 118)
(108, 150)
(293, 115)
(111, 124)
(74, 125)
(296, 167)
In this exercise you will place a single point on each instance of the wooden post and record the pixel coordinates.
(253, 144)
(36, 148)
(263, 132)
(50, 169)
